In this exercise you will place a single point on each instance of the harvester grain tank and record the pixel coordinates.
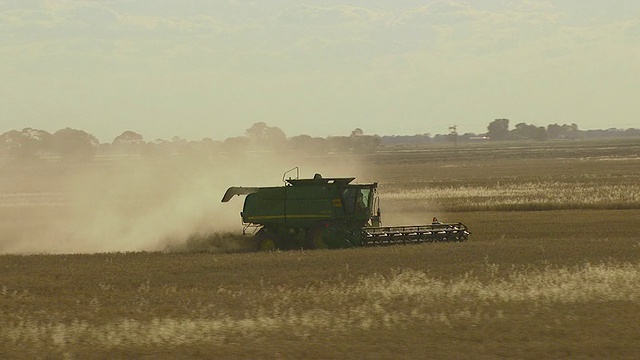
(327, 213)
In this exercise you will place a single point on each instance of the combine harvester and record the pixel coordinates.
(324, 213)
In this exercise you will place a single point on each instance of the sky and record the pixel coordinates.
(210, 68)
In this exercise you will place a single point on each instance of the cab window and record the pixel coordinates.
(356, 200)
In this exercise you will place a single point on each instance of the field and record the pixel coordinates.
(551, 270)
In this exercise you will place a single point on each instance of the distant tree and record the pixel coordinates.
(72, 144)
(356, 142)
(27, 144)
(540, 133)
(361, 143)
(275, 139)
(256, 131)
(128, 137)
(235, 146)
(554, 131)
(532, 132)
(300, 142)
(178, 141)
(308, 145)
(498, 129)
(210, 146)
(129, 142)
(156, 148)
(632, 132)
(564, 131)
(262, 136)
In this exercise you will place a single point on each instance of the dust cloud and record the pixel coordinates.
(134, 204)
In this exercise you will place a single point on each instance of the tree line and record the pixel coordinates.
(78, 145)
(499, 130)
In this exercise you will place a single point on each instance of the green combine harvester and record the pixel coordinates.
(322, 213)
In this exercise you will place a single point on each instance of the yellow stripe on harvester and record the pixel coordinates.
(272, 217)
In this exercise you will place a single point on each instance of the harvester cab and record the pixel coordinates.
(326, 213)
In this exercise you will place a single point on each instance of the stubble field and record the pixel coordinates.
(551, 270)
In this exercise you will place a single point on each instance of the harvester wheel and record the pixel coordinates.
(267, 242)
(316, 238)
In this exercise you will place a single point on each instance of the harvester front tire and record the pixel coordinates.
(316, 240)
(267, 242)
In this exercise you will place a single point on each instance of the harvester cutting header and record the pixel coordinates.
(327, 213)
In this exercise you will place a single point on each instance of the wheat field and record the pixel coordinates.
(551, 270)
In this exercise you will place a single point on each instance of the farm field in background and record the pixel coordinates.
(551, 270)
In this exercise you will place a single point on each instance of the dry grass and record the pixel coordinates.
(539, 293)
(491, 297)
(542, 195)
(400, 301)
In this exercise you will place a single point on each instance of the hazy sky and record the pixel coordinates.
(204, 68)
